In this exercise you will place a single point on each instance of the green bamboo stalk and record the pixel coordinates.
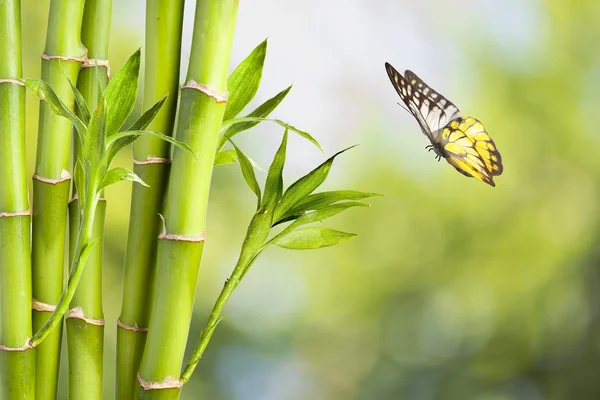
(180, 245)
(85, 321)
(164, 21)
(17, 368)
(51, 182)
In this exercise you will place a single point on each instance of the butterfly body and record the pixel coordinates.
(461, 140)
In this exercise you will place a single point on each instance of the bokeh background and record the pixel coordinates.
(453, 289)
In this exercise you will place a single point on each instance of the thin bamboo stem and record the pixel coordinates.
(17, 368)
(85, 320)
(51, 182)
(164, 22)
(180, 245)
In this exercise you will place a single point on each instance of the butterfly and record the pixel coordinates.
(461, 140)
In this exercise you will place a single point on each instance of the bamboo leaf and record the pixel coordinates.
(118, 145)
(94, 140)
(82, 106)
(317, 216)
(248, 173)
(79, 177)
(304, 186)
(274, 184)
(43, 91)
(234, 126)
(319, 200)
(312, 238)
(121, 93)
(147, 117)
(119, 174)
(112, 139)
(244, 81)
(225, 157)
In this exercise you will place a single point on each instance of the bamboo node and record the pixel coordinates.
(40, 306)
(26, 347)
(151, 160)
(64, 176)
(63, 58)
(168, 383)
(23, 213)
(178, 238)
(94, 62)
(11, 80)
(77, 313)
(207, 90)
(134, 328)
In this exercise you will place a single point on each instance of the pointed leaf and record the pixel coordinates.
(138, 133)
(82, 106)
(94, 141)
(119, 174)
(147, 117)
(117, 146)
(303, 134)
(312, 238)
(261, 112)
(43, 91)
(319, 200)
(317, 216)
(248, 173)
(274, 184)
(304, 186)
(244, 81)
(121, 93)
(79, 178)
(225, 157)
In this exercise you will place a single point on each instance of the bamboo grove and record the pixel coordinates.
(185, 130)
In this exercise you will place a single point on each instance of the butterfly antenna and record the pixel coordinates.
(403, 106)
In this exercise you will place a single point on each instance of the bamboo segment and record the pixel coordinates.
(164, 22)
(62, 58)
(181, 243)
(17, 361)
(85, 320)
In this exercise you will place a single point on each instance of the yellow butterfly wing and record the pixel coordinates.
(469, 149)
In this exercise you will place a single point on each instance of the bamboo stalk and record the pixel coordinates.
(85, 321)
(180, 246)
(17, 368)
(164, 21)
(62, 56)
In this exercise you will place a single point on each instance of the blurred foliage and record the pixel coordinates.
(453, 290)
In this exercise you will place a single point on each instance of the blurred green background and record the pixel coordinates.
(453, 289)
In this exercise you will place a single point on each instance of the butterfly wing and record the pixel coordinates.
(432, 113)
(449, 110)
(469, 149)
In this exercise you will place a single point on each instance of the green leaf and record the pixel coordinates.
(248, 173)
(225, 157)
(304, 186)
(43, 91)
(303, 134)
(317, 216)
(82, 106)
(121, 93)
(312, 238)
(232, 127)
(244, 81)
(274, 184)
(138, 133)
(319, 200)
(93, 145)
(79, 178)
(118, 145)
(146, 119)
(119, 174)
